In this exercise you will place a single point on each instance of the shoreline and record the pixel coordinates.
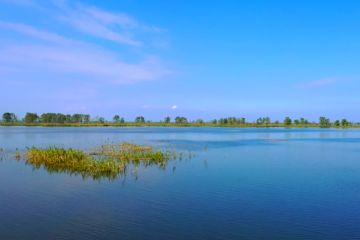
(174, 125)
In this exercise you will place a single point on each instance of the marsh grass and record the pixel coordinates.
(106, 161)
(134, 154)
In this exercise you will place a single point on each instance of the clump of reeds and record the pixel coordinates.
(72, 161)
(105, 161)
(134, 153)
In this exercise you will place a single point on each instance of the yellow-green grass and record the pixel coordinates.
(106, 161)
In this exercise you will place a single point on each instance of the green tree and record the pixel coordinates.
(260, 121)
(116, 118)
(68, 118)
(241, 120)
(345, 123)
(303, 121)
(287, 121)
(60, 118)
(324, 122)
(267, 120)
(140, 119)
(9, 117)
(86, 118)
(263, 120)
(48, 118)
(101, 120)
(80, 118)
(337, 123)
(181, 120)
(296, 122)
(167, 119)
(76, 118)
(232, 120)
(199, 121)
(31, 117)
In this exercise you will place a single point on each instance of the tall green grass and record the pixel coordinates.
(106, 161)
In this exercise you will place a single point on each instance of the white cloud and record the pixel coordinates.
(55, 52)
(39, 53)
(116, 27)
(147, 106)
(34, 32)
(318, 83)
(174, 107)
(86, 61)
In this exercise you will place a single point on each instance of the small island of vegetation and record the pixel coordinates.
(106, 161)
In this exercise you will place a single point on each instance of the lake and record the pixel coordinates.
(239, 184)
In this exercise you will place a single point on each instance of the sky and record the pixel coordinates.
(199, 59)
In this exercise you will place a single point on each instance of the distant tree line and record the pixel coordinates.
(287, 122)
(48, 118)
(62, 118)
(229, 121)
(59, 118)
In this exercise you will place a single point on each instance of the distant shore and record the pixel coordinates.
(162, 124)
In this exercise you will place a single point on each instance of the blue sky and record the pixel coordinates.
(204, 59)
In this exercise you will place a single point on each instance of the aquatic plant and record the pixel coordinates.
(72, 161)
(17, 154)
(104, 161)
(2, 154)
(134, 153)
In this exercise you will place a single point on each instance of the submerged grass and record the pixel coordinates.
(2, 154)
(105, 161)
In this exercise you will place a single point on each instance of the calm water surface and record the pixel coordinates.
(241, 184)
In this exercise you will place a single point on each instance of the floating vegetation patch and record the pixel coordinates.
(106, 161)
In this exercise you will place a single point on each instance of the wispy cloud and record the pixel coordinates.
(37, 53)
(34, 32)
(318, 83)
(116, 27)
(89, 62)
